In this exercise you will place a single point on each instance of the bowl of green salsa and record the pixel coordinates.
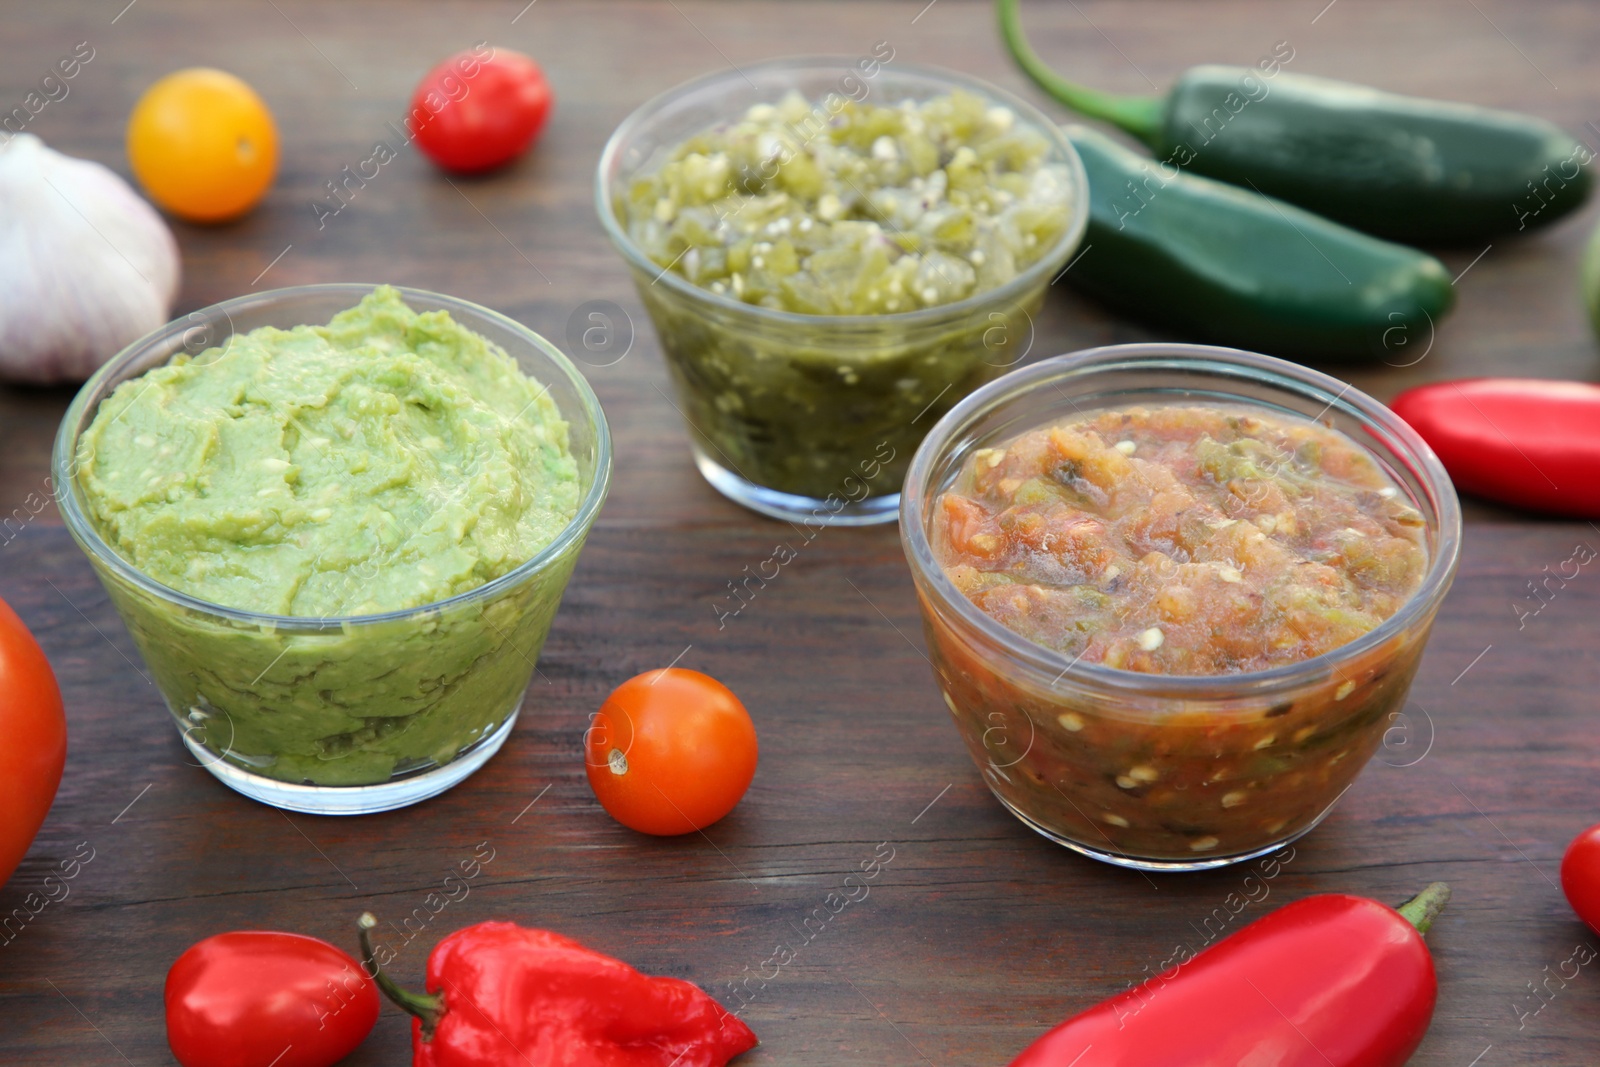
(337, 521)
(833, 253)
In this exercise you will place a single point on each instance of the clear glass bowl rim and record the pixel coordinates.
(648, 111)
(1238, 364)
(78, 523)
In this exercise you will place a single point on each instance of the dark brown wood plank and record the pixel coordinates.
(978, 935)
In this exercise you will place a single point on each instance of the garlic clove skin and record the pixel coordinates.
(86, 265)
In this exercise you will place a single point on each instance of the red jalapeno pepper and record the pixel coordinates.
(1527, 442)
(503, 995)
(1328, 981)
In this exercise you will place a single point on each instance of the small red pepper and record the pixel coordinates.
(1580, 876)
(1328, 981)
(503, 995)
(254, 997)
(1528, 442)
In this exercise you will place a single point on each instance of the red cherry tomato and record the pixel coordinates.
(1580, 876)
(257, 997)
(479, 109)
(670, 751)
(35, 731)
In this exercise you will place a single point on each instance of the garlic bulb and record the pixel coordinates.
(86, 266)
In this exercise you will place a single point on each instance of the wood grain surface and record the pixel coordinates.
(978, 934)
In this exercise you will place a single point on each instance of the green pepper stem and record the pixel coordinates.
(1138, 115)
(428, 1007)
(1422, 909)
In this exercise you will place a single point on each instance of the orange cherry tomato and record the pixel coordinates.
(202, 144)
(670, 751)
(35, 731)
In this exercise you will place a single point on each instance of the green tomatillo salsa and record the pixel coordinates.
(877, 210)
(858, 221)
(374, 466)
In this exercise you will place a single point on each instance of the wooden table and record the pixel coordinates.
(978, 934)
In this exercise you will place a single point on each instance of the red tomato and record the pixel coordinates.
(257, 997)
(479, 109)
(670, 751)
(1580, 876)
(34, 727)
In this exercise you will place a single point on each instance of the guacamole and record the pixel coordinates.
(384, 462)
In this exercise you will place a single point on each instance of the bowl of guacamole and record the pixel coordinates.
(834, 251)
(338, 521)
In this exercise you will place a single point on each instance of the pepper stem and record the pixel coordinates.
(428, 1007)
(1137, 115)
(1422, 909)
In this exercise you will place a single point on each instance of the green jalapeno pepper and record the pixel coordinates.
(1216, 262)
(1400, 167)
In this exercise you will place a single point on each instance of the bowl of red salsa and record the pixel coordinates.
(1174, 595)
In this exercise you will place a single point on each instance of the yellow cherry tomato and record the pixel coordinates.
(202, 144)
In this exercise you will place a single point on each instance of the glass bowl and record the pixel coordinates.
(355, 714)
(813, 418)
(1170, 772)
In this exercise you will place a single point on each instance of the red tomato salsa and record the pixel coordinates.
(1192, 541)
(1182, 540)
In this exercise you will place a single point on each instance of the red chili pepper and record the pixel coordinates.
(503, 995)
(1527, 442)
(1329, 981)
(254, 997)
(1580, 876)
